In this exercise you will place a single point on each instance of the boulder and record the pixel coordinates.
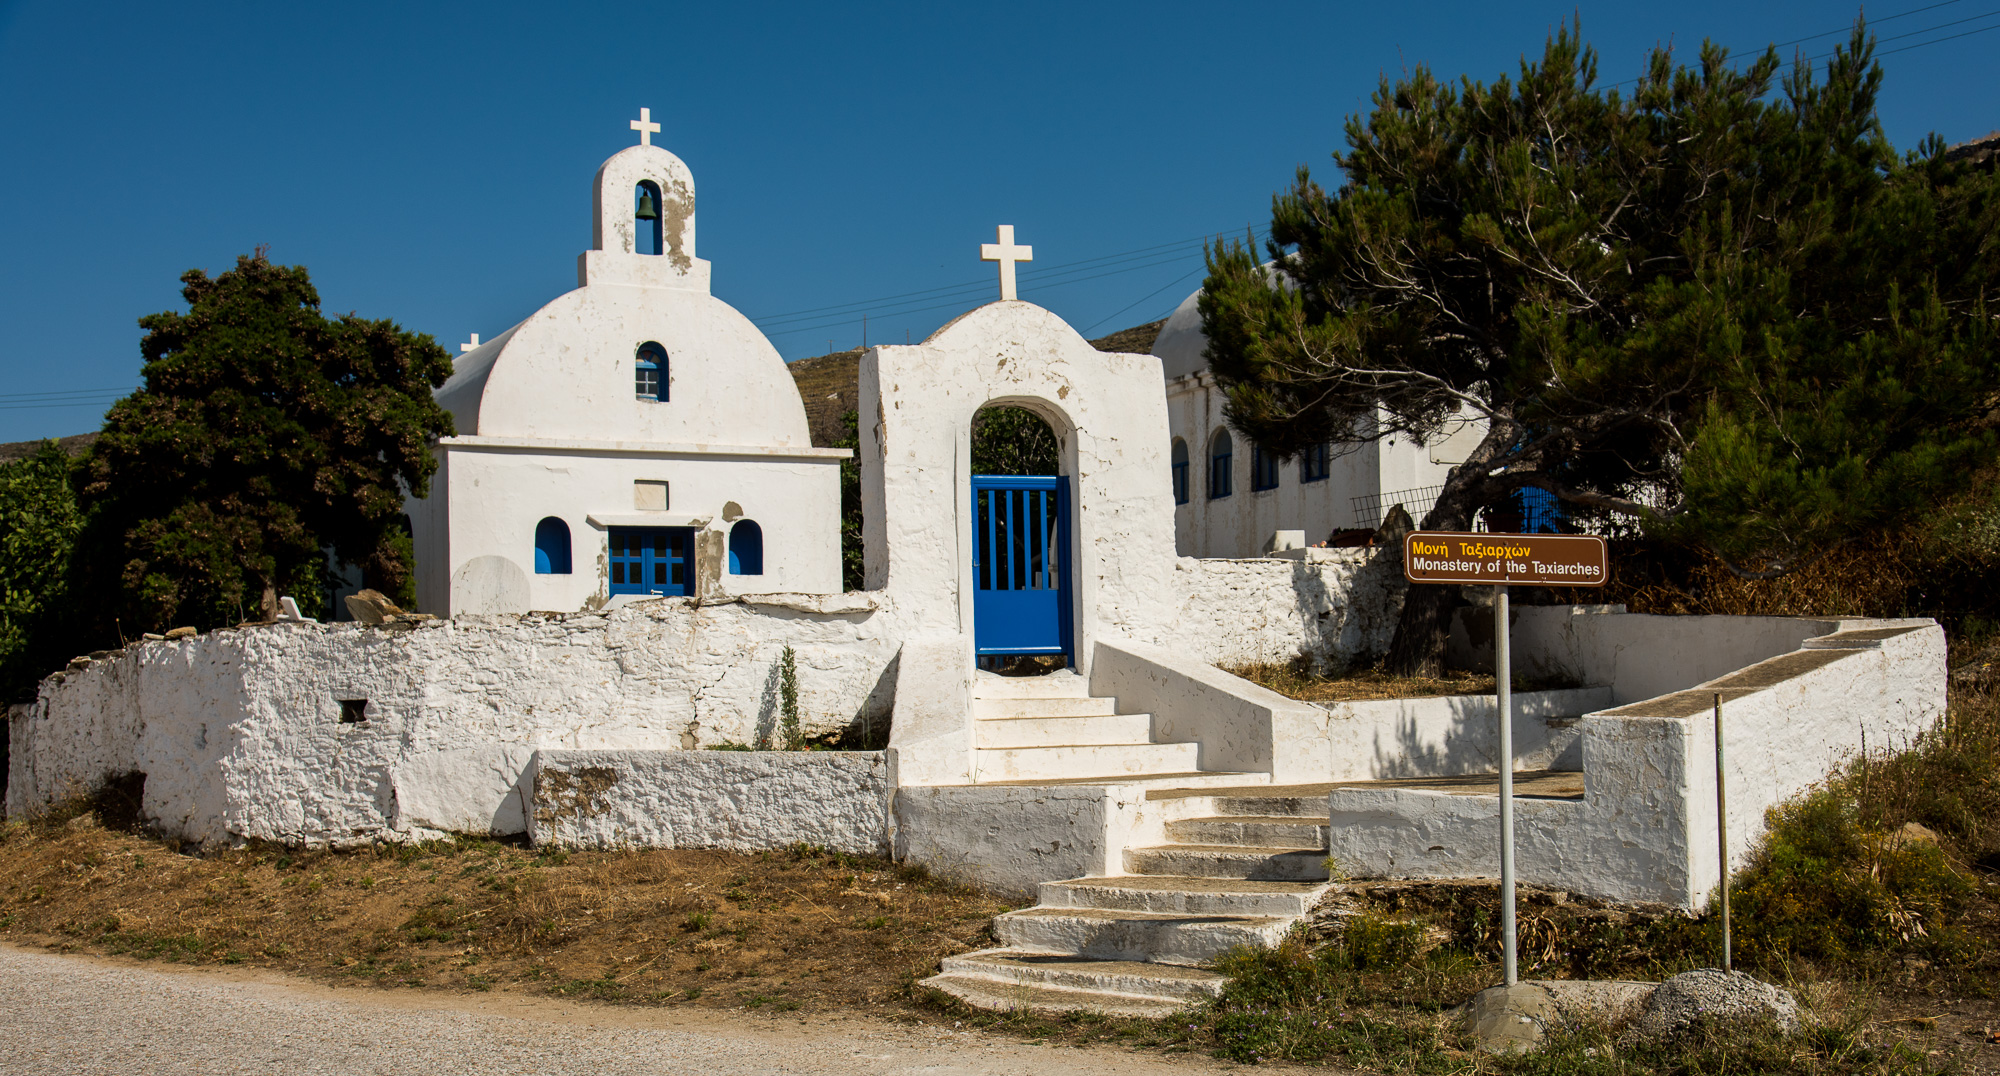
(1715, 995)
(1516, 1019)
(372, 607)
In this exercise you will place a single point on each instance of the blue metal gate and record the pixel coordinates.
(1020, 564)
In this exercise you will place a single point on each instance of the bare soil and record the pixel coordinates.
(784, 931)
(1364, 684)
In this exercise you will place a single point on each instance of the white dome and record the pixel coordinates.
(1181, 341)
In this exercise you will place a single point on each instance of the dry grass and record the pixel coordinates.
(1294, 681)
(782, 930)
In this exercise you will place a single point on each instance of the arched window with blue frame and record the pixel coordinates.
(746, 548)
(649, 373)
(1180, 458)
(1221, 458)
(551, 547)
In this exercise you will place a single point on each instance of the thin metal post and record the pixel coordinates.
(1503, 682)
(1722, 828)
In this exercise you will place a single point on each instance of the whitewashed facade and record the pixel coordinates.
(1233, 517)
(636, 437)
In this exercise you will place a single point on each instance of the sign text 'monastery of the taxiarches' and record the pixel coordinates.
(1558, 560)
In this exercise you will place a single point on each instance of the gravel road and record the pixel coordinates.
(70, 1015)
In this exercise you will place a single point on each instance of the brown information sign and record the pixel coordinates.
(1547, 560)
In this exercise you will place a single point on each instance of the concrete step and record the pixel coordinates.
(1271, 806)
(1041, 731)
(995, 995)
(1153, 937)
(1185, 895)
(1062, 684)
(1085, 761)
(996, 709)
(1230, 861)
(1128, 978)
(1254, 830)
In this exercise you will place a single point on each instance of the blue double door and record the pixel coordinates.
(1020, 564)
(652, 560)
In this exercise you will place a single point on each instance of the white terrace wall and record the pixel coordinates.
(1336, 607)
(240, 733)
(1645, 829)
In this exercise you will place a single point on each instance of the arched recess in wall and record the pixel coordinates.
(1180, 458)
(647, 236)
(649, 373)
(746, 548)
(1221, 458)
(1013, 440)
(552, 547)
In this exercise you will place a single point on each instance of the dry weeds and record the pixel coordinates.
(782, 930)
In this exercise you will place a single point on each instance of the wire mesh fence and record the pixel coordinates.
(1527, 511)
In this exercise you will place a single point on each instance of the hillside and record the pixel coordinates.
(830, 384)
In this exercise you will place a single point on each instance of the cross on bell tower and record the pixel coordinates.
(1006, 253)
(645, 126)
(473, 346)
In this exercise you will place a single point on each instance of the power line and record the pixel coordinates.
(1141, 299)
(13, 396)
(1879, 40)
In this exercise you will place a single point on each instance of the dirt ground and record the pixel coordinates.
(780, 931)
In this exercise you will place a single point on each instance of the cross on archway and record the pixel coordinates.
(473, 346)
(1006, 253)
(645, 126)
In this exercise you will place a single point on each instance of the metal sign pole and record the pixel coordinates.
(1722, 829)
(1503, 682)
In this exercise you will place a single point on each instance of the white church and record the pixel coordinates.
(628, 435)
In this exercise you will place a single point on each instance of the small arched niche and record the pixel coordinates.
(648, 209)
(552, 547)
(746, 548)
(1014, 440)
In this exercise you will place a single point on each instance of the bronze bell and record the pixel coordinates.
(647, 210)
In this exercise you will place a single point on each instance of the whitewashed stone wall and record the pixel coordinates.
(737, 800)
(240, 733)
(1335, 607)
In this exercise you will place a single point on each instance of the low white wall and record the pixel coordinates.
(1645, 829)
(240, 733)
(1336, 607)
(736, 800)
(1447, 735)
(1640, 656)
(1239, 725)
(1012, 838)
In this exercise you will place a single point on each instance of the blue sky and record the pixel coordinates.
(431, 163)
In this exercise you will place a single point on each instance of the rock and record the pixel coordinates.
(151, 637)
(372, 607)
(181, 633)
(1712, 994)
(1516, 1019)
(1910, 833)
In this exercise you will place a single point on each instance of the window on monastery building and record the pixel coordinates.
(1316, 463)
(646, 206)
(551, 547)
(1220, 458)
(649, 376)
(1263, 469)
(746, 548)
(1180, 471)
(652, 560)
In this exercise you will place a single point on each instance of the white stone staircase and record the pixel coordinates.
(1241, 866)
(1050, 728)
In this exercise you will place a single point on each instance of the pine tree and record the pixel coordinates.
(1727, 315)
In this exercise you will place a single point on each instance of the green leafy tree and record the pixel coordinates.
(1728, 315)
(266, 436)
(39, 521)
(1013, 440)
